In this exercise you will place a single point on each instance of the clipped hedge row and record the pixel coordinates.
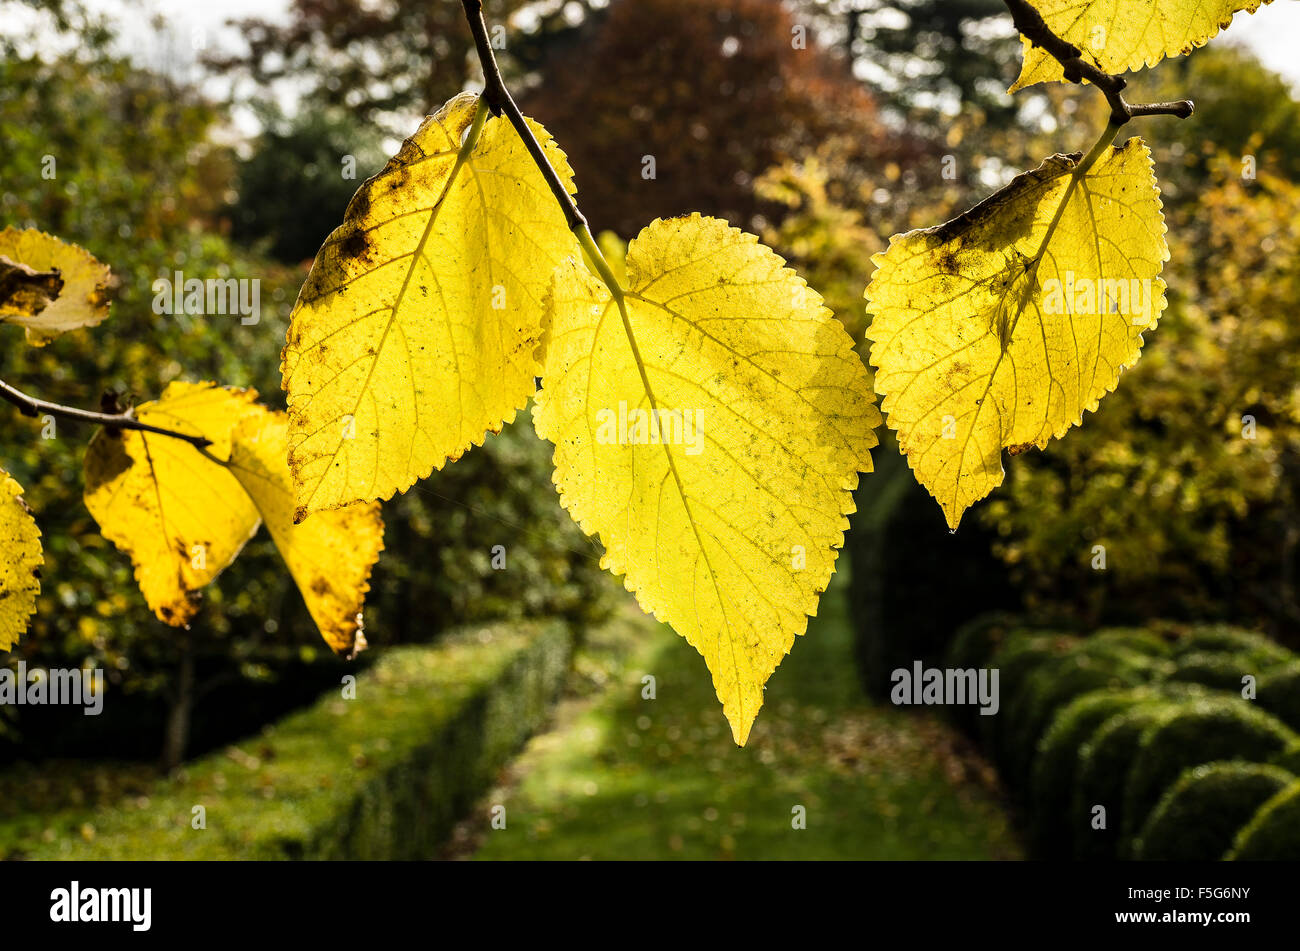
(1203, 811)
(381, 776)
(1153, 726)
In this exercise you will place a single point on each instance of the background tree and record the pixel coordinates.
(1188, 473)
(670, 137)
(140, 179)
(927, 59)
(294, 187)
(397, 58)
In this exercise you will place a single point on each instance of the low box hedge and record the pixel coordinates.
(1223, 670)
(1092, 665)
(1120, 717)
(1278, 692)
(1103, 769)
(1288, 759)
(1203, 731)
(1056, 766)
(1273, 835)
(1021, 653)
(1139, 639)
(1226, 639)
(1200, 815)
(382, 776)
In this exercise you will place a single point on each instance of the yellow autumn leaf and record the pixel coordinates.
(711, 437)
(77, 296)
(414, 335)
(20, 562)
(182, 517)
(1120, 35)
(999, 330)
(330, 554)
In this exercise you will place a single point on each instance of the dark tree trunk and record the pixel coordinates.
(177, 737)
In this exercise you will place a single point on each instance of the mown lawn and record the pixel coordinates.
(620, 777)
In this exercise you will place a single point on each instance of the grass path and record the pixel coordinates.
(621, 777)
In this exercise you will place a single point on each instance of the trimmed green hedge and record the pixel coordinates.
(1199, 816)
(1278, 692)
(1056, 767)
(1288, 759)
(1137, 639)
(1103, 768)
(1099, 665)
(1220, 671)
(1117, 717)
(1274, 834)
(1020, 655)
(1226, 639)
(1205, 731)
(383, 776)
(976, 642)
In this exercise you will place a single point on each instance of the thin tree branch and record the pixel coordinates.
(31, 406)
(1034, 28)
(499, 101)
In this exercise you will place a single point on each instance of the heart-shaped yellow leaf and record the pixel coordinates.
(999, 329)
(709, 425)
(414, 335)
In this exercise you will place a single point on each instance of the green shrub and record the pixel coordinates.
(975, 642)
(381, 777)
(1057, 764)
(1288, 759)
(1278, 692)
(1226, 639)
(1219, 671)
(1199, 816)
(1090, 666)
(1103, 768)
(1021, 653)
(1274, 833)
(1203, 731)
(1140, 639)
(972, 648)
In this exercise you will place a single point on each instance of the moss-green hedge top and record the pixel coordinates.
(319, 774)
(1278, 692)
(1203, 731)
(1103, 769)
(1058, 760)
(1199, 816)
(1224, 638)
(1274, 833)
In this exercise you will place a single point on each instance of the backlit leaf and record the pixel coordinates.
(330, 554)
(987, 336)
(180, 516)
(415, 332)
(1120, 35)
(20, 562)
(726, 517)
(49, 286)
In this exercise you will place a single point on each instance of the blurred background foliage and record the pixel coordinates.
(893, 117)
(145, 180)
